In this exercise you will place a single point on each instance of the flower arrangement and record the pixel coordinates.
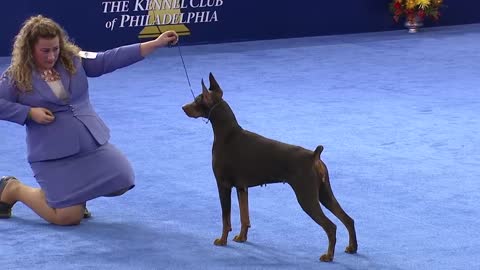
(413, 9)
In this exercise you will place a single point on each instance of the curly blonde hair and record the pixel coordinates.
(34, 28)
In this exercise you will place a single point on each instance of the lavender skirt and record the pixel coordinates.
(97, 170)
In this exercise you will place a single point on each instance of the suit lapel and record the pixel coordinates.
(44, 89)
(65, 76)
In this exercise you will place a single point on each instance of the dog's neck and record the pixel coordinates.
(223, 120)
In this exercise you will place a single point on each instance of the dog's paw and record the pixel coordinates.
(351, 249)
(240, 239)
(326, 258)
(220, 242)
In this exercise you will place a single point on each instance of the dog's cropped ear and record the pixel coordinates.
(214, 86)
(206, 95)
(213, 83)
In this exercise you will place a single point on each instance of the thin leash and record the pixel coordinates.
(188, 80)
(185, 68)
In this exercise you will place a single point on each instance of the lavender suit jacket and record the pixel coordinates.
(60, 138)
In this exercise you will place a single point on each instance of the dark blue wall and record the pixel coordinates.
(237, 19)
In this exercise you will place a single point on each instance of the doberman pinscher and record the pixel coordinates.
(243, 159)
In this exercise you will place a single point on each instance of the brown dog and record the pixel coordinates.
(243, 159)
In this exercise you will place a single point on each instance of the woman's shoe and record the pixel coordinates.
(86, 213)
(5, 208)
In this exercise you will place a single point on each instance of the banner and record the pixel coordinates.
(100, 25)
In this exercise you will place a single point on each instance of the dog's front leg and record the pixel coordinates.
(242, 195)
(226, 202)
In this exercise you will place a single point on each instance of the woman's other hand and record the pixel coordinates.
(41, 115)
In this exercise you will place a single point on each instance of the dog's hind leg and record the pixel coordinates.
(242, 195)
(330, 202)
(308, 199)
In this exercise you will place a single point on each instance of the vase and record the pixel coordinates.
(413, 24)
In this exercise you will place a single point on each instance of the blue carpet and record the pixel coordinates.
(397, 114)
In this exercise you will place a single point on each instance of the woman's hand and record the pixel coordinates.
(41, 115)
(167, 38)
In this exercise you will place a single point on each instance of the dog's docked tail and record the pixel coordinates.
(317, 152)
(318, 164)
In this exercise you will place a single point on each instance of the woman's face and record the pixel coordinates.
(45, 53)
